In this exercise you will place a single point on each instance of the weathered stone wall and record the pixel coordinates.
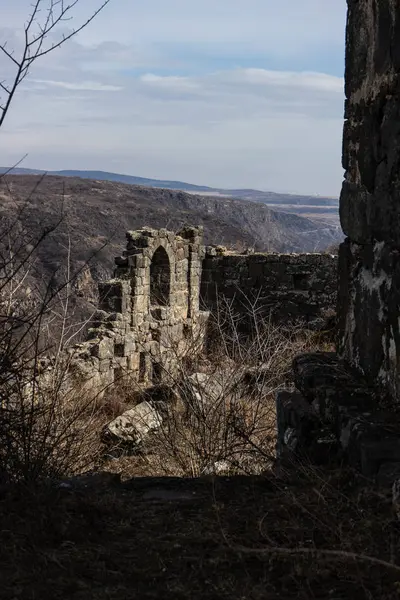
(289, 287)
(346, 406)
(149, 312)
(369, 265)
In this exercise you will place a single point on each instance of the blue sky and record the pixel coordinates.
(227, 93)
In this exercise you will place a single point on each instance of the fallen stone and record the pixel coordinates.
(219, 467)
(296, 422)
(331, 385)
(203, 388)
(134, 425)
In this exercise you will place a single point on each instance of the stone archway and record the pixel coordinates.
(160, 278)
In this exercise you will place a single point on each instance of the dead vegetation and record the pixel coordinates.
(217, 410)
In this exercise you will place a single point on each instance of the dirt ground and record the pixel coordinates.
(309, 535)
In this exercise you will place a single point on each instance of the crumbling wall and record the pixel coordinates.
(369, 266)
(149, 312)
(287, 287)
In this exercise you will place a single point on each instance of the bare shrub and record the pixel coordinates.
(42, 418)
(47, 431)
(223, 417)
(46, 418)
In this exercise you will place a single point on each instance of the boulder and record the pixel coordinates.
(134, 425)
(201, 390)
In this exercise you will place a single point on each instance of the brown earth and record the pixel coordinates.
(318, 536)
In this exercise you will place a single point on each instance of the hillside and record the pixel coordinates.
(96, 214)
(271, 198)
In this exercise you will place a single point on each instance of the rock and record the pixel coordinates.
(219, 467)
(202, 389)
(134, 425)
(297, 423)
(163, 398)
(316, 324)
(257, 375)
(331, 385)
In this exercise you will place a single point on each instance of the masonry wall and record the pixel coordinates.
(369, 266)
(149, 312)
(287, 287)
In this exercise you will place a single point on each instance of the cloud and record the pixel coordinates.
(173, 83)
(91, 86)
(227, 94)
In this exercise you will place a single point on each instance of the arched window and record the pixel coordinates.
(160, 276)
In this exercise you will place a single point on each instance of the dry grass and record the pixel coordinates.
(225, 423)
(49, 432)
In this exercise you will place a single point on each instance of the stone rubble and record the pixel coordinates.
(134, 426)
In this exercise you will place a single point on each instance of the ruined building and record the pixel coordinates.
(148, 312)
(346, 405)
(164, 286)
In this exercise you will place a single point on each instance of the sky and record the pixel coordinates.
(225, 93)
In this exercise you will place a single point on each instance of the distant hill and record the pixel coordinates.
(96, 214)
(245, 194)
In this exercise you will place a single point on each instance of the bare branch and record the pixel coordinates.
(72, 34)
(34, 44)
(5, 88)
(13, 167)
(10, 56)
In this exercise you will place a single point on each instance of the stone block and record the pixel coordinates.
(103, 349)
(327, 382)
(140, 303)
(154, 348)
(133, 362)
(296, 421)
(105, 365)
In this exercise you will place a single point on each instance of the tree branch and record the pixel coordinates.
(34, 45)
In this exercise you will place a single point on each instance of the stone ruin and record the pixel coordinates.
(148, 312)
(289, 287)
(346, 406)
(165, 285)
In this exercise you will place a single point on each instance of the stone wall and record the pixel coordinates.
(369, 268)
(289, 287)
(148, 312)
(346, 404)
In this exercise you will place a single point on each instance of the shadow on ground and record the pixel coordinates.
(240, 537)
